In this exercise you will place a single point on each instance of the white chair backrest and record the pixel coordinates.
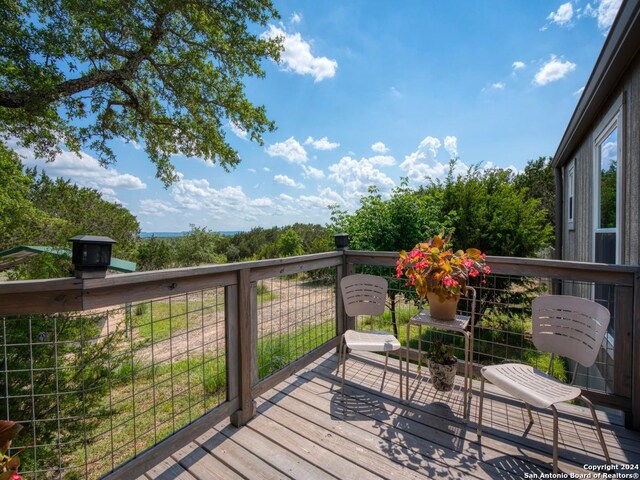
(569, 326)
(363, 294)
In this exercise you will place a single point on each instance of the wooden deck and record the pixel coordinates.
(304, 430)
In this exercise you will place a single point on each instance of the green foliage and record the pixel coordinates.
(491, 213)
(154, 254)
(441, 352)
(38, 210)
(20, 220)
(288, 244)
(165, 73)
(538, 180)
(62, 360)
(199, 247)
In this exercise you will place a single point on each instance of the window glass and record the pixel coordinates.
(608, 150)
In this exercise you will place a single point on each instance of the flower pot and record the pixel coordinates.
(442, 310)
(442, 376)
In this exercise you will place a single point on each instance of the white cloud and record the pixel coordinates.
(156, 207)
(518, 65)
(290, 150)
(355, 176)
(237, 130)
(285, 198)
(84, 170)
(312, 172)
(322, 144)
(498, 85)
(266, 169)
(225, 206)
(451, 146)
(383, 160)
(297, 56)
(395, 92)
(553, 70)
(289, 182)
(563, 15)
(379, 147)
(605, 13)
(422, 163)
(326, 197)
(578, 92)
(296, 18)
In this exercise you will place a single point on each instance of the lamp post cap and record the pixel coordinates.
(92, 239)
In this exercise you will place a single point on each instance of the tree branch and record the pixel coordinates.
(90, 80)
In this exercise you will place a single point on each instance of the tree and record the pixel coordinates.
(395, 224)
(38, 210)
(198, 247)
(288, 244)
(20, 220)
(154, 254)
(490, 212)
(538, 179)
(166, 72)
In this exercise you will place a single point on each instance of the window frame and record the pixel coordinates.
(613, 120)
(570, 175)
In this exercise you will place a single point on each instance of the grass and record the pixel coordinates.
(158, 320)
(170, 395)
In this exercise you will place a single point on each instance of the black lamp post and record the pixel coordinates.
(91, 255)
(342, 241)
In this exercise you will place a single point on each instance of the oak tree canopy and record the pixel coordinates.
(169, 73)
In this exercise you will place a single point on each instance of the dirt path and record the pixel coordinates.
(295, 304)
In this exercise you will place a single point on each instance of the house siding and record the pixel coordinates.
(578, 243)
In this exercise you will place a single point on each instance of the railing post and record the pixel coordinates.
(635, 335)
(343, 322)
(247, 351)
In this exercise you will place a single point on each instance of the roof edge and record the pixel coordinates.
(620, 47)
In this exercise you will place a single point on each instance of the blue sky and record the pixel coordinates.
(369, 92)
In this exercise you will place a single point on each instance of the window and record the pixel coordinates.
(570, 186)
(606, 211)
(607, 199)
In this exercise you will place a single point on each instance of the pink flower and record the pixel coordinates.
(15, 476)
(487, 269)
(468, 263)
(473, 272)
(484, 281)
(483, 256)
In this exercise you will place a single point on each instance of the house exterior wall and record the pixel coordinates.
(578, 243)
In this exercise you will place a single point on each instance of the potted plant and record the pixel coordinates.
(443, 365)
(441, 274)
(9, 464)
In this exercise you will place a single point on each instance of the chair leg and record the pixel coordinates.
(339, 355)
(480, 406)
(529, 412)
(344, 365)
(386, 361)
(555, 438)
(400, 370)
(598, 429)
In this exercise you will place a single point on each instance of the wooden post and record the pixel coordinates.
(634, 422)
(246, 351)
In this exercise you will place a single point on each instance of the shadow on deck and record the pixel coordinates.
(305, 430)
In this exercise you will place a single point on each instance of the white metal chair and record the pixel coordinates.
(366, 295)
(568, 326)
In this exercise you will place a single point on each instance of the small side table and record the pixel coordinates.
(462, 324)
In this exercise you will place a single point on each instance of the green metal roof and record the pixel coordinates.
(15, 256)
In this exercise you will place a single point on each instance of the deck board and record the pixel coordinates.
(305, 429)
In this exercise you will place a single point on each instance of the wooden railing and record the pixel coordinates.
(242, 311)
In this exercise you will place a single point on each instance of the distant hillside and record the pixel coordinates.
(181, 234)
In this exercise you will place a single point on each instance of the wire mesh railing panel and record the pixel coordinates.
(94, 389)
(296, 314)
(502, 325)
